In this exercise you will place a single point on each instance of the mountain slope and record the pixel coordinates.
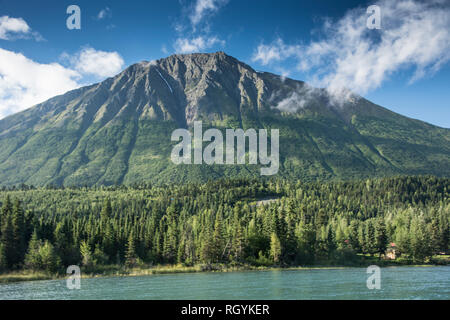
(118, 131)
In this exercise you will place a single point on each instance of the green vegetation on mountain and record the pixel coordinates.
(228, 222)
(119, 131)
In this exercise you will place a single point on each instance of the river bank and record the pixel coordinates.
(146, 270)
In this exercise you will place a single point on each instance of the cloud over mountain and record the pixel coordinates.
(98, 63)
(198, 44)
(25, 82)
(202, 8)
(414, 35)
(199, 37)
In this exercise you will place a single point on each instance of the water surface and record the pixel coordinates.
(396, 283)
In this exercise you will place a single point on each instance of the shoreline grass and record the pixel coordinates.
(146, 270)
(25, 276)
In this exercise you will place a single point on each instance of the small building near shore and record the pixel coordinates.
(392, 252)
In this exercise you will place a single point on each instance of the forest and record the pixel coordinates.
(227, 222)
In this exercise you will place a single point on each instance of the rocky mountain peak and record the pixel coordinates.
(118, 131)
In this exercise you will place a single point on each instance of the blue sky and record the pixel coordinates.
(403, 66)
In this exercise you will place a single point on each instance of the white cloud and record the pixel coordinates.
(24, 83)
(198, 44)
(298, 98)
(11, 28)
(104, 13)
(414, 35)
(197, 37)
(97, 63)
(202, 8)
(277, 51)
(12, 25)
(292, 103)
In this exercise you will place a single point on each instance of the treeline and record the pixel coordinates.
(223, 222)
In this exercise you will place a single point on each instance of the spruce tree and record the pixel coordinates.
(8, 253)
(106, 210)
(32, 258)
(275, 248)
(6, 210)
(86, 253)
(130, 256)
(19, 233)
(380, 237)
(218, 239)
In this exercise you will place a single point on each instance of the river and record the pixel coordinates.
(347, 283)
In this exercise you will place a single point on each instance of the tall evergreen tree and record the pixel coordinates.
(130, 256)
(380, 237)
(19, 233)
(275, 248)
(32, 258)
(8, 252)
(6, 210)
(218, 238)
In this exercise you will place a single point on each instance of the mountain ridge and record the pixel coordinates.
(118, 131)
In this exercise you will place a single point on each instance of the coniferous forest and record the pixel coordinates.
(227, 222)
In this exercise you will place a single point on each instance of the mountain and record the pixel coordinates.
(119, 130)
